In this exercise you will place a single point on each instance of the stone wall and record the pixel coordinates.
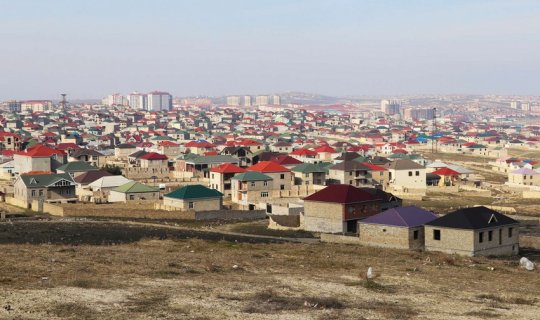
(17, 202)
(337, 238)
(391, 236)
(137, 173)
(323, 217)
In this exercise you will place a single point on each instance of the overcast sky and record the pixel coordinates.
(90, 48)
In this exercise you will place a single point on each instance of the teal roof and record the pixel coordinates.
(135, 187)
(308, 168)
(251, 176)
(195, 191)
(77, 166)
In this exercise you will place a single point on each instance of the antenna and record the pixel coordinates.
(64, 102)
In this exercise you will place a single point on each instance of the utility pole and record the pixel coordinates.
(434, 131)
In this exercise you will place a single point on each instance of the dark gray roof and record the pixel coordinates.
(349, 165)
(473, 218)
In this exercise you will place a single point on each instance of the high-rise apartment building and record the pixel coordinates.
(419, 113)
(247, 101)
(115, 99)
(262, 100)
(276, 100)
(138, 100)
(390, 107)
(158, 101)
(233, 101)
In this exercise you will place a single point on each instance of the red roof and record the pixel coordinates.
(403, 151)
(285, 160)
(167, 143)
(303, 152)
(325, 148)
(228, 168)
(154, 156)
(341, 193)
(40, 151)
(373, 167)
(199, 144)
(67, 145)
(268, 167)
(446, 172)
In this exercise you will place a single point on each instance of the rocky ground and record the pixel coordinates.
(104, 270)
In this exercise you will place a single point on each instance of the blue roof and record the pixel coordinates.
(410, 216)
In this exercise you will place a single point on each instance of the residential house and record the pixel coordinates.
(251, 188)
(407, 176)
(338, 208)
(401, 228)
(193, 198)
(220, 177)
(45, 187)
(475, 231)
(282, 177)
(76, 168)
(133, 191)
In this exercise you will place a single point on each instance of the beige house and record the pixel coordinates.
(524, 177)
(476, 231)
(338, 208)
(193, 198)
(220, 177)
(282, 177)
(400, 228)
(252, 188)
(133, 191)
(407, 175)
(45, 187)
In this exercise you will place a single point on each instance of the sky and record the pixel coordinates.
(89, 49)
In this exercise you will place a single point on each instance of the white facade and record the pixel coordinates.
(158, 101)
(138, 101)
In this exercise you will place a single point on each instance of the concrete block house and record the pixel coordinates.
(338, 208)
(400, 228)
(476, 231)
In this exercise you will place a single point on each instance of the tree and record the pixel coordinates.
(112, 169)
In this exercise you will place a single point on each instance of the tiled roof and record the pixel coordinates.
(473, 218)
(268, 167)
(195, 191)
(342, 193)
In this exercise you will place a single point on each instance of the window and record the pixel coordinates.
(410, 173)
(524, 177)
(264, 194)
(415, 234)
(480, 237)
(436, 234)
(510, 232)
(41, 193)
(212, 176)
(131, 197)
(307, 183)
(252, 183)
(282, 187)
(490, 235)
(306, 175)
(265, 183)
(191, 205)
(282, 176)
(417, 173)
(33, 193)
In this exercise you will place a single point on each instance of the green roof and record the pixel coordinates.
(134, 187)
(44, 180)
(194, 191)
(251, 176)
(77, 166)
(308, 168)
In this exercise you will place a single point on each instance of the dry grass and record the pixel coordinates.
(194, 278)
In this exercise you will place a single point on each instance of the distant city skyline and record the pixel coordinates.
(89, 49)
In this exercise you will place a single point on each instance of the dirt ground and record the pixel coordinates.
(76, 270)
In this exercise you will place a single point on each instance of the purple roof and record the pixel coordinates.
(410, 216)
(524, 170)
